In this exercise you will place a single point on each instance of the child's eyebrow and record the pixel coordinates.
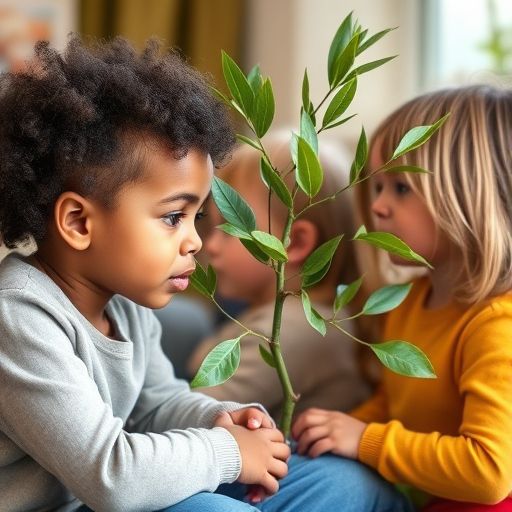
(189, 198)
(185, 196)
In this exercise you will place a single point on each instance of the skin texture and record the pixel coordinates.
(135, 249)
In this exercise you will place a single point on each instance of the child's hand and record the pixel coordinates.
(250, 417)
(319, 431)
(264, 454)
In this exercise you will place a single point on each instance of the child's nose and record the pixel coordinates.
(193, 243)
(380, 206)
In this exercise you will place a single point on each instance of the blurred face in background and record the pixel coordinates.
(240, 275)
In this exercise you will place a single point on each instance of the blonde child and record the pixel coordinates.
(323, 370)
(106, 160)
(449, 437)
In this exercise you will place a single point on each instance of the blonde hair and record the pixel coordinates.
(469, 193)
(331, 218)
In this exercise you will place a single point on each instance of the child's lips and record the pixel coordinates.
(180, 283)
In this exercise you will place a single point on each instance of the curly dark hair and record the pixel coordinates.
(65, 121)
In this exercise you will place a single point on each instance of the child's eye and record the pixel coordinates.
(200, 215)
(402, 188)
(377, 188)
(173, 219)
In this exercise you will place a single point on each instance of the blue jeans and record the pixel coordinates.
(326, 484)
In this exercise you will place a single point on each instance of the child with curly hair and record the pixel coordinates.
(106, 162)
(450, 437)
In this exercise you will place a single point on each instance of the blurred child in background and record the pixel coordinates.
(323, 370)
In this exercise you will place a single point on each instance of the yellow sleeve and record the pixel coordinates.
(374, 409)
(475, 465)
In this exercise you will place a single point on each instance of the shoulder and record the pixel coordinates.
(493, 313)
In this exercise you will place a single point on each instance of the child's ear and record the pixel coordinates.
(72, 213)
(303, 241)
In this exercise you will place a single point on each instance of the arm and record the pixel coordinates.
(167, 402)
(474, 465)
(52, 409)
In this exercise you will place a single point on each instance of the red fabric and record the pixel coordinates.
(458, 506)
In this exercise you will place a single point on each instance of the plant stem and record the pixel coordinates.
(290, 398)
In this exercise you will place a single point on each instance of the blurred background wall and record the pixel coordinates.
(438, 42)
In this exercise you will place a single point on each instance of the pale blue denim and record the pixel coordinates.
(325, 484)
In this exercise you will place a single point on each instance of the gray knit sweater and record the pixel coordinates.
(84, 418)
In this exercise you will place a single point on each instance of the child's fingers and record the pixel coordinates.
(307, 419)
(254, 423)
(278, 468)
(281, 451)
(310, 436)
(270, 484)
(223, 419)
(322, 446)
(256, 494)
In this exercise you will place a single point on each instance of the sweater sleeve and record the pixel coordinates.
(51, 408)
(167, 402)
(474, 465)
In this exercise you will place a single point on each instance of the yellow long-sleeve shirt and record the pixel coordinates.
(450, 437)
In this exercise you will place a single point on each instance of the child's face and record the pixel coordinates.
(398, 210)
(144, 247)
(240, 275)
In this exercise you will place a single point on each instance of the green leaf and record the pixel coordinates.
(219, 365)
(270, 245)
(312, 316)
(360, 158)
(308, 131)
(309, 172)
(417, 136)
(264, 108)
(345, 61)
(391, 244)
(275, 183)
(237, 84)
(246, 140)
(343, 121)
(312, 279)
(404, 358)
(385, 299)
(407, 168)
(267, 356)
(364, 68)
(294, 148)
(345, 293)
(338, 44)
(321, 257)
(201, 282)
(255, 80)
(305, 92)
(340, 102)
(220, 96)
(232, 206)
(372, 40)
(211, 279)
(255, 251)
(229, 229)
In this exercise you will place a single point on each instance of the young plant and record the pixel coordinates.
(252, 97)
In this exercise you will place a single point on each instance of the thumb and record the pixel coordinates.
(223, 419)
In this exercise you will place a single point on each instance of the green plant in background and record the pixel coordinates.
(252, 97)
(499, 43)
